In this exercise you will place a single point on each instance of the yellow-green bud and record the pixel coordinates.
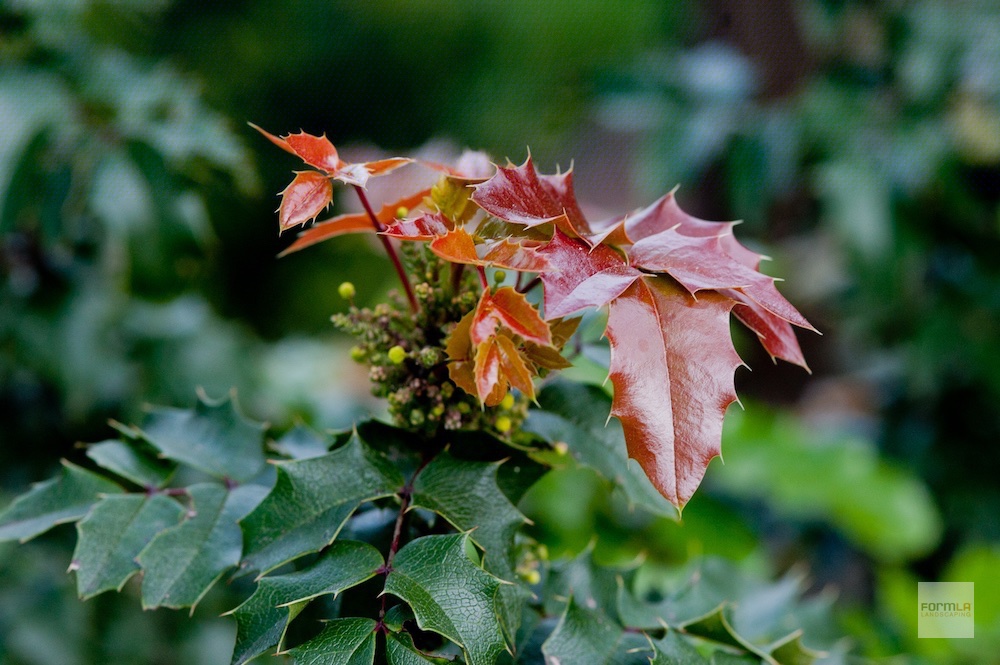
(503, 424)
(357, 353)
(508, 401)
(543, 552)
(499, 276)
(346, 290)
(561, 447)
(438, 410)
(397, 355)
(531, 576)
(401, 212)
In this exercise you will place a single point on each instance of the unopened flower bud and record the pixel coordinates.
(346, 290)
(397, 355)
(401, 212)
(503, 424)
(507, 402)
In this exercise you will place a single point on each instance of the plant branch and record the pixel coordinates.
(482, 278)
(406, 499)
(530, 285)
(389, 249)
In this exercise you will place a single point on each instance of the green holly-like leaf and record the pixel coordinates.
(125, 461)
(449, 594)
(183, 562)
(400, 651)
(65, 498)
(311, 501)
(790, 651)
(591, 585)
(673, 649)
(113, 533)
(589, 636)
(213, 437)
(466, 494)
(577, 414)
(261, 621)
(717, 626)
(342, 642)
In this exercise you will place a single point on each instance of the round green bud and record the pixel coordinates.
(499, 276)
(531, 576)
(357, 353)
(561, 447)
(397, 355)
(401, 212)
(346, 290)
(416, 418)
(507, 402)
(503, 424)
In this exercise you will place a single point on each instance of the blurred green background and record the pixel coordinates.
(859, 141)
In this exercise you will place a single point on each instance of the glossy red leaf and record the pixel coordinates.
(353, 223)
(775, 334)
(490, 388)
(672, 366)
(581, 276)
(521, 196)
(514, 369)
(304, 198)
(509, 309)
(665, 213)
(701, 263)
(316, 151)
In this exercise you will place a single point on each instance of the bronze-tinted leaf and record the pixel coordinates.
(582, 276)
(304, 198)
(672, 366)
(509, 309)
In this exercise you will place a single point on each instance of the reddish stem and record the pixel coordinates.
(482, 278)
(389, 249)
(530, 285)
(406, 498)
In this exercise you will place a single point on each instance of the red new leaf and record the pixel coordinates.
(582, 276)
(352, 223)
(318, 152)
(426, 226)
(521, 196)
(307, 195)
(509, 309)
(672, 366)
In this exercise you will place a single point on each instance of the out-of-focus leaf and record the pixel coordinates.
(311, 501)
(113, 533)
(672, 649)
(125, 461)
(887, 512)
(65, 498)
(509, 309)
(449, 594)
(574, 414)
(261, 621)
(589, 636)
(183, 562)
(213, 437)
(342, 642)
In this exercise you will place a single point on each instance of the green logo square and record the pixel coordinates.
(946, 609)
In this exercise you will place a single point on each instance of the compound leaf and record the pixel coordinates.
(213, 437)
(449, 594)
(342, 642)
(262, 619)
(125, 461)
(65, 498)
(311, 501)
(113, 533)
(183, 562)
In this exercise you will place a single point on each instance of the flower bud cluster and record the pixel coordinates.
(406, 357)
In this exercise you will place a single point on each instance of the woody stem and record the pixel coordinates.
(389, 249)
